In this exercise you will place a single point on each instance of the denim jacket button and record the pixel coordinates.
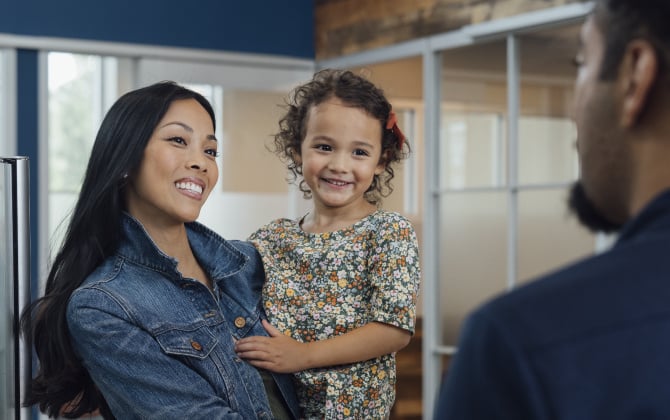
(197, 346)
(240, 322)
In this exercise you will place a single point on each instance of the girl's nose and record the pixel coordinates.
(338, 162)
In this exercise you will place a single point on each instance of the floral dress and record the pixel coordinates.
(326, 284)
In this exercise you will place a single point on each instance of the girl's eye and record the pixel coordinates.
(324, 147)
(361, 152)
(213, 152)
(178, 140)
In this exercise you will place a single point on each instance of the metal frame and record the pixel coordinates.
(8, 101)
(119, 49)
(430, 49)
(513, 101)
(17, 205)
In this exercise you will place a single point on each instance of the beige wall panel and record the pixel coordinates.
(249, 122)
(393, 78)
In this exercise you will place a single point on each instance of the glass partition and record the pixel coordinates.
(473, 179)
(546, 132)
(549, 237)
(472, 117)
(472, 147)
(473, 255)
(548, 162)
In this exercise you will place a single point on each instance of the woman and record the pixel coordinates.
(142, 304)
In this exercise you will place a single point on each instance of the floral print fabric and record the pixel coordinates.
(322, 285)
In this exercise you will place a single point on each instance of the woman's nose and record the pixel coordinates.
(196, 160)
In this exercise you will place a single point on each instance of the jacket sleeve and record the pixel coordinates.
(103, 335)
(490, 377)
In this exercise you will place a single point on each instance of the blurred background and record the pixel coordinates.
(483, 90)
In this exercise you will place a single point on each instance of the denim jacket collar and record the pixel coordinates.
(224, 260)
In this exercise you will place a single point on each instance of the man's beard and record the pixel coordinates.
(586, 212)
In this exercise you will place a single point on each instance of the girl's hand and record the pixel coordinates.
(277, 353)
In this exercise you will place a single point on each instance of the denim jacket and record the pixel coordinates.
(160, 346)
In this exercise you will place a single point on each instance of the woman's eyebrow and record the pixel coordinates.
(187, 128)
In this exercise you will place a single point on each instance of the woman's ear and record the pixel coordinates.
(639, 71)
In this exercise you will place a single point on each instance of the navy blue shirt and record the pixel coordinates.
(591, 341)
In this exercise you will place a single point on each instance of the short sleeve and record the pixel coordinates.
(395, 273)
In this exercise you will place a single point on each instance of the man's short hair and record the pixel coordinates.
(621, 21)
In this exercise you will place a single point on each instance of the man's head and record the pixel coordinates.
(621, 85)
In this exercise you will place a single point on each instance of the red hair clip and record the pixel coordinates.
(392, 124)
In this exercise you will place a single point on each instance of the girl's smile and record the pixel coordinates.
(340, 155)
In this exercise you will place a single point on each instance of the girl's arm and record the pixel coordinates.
(279, 353)
(395, 279)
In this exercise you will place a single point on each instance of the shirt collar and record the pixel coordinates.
(218, 257)
(655, 216)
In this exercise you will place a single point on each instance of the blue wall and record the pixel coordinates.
(251, 26)
(247, 26)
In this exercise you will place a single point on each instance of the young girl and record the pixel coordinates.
(342, 280)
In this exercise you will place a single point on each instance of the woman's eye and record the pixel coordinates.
(178, 140)
(213, 152)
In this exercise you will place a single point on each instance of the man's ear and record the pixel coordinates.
(639, 70)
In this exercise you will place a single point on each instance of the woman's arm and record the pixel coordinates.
(283, 354)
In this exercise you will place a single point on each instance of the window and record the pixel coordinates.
(80, 90)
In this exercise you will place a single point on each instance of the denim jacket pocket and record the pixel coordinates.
(197, 343)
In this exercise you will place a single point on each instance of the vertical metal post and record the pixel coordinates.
(513, 90)
(16, 201)
(432, 330)
(22, 280)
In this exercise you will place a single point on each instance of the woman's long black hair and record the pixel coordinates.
(93, 234)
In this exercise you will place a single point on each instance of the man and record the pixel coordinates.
(592, 341)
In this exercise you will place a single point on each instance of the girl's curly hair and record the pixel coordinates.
(355, 91)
